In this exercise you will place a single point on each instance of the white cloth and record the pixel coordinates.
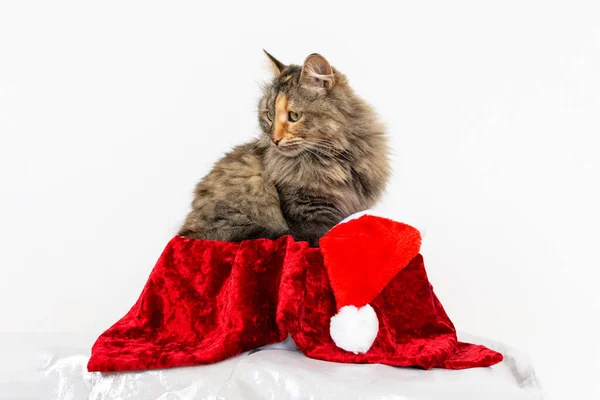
(50, 366)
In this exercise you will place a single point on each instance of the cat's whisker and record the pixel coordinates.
(312, 152)
(329, 152)
(307, 148)
(327, 143)
(320, 154)
(318, 151)
(330, 148)
(327, 147)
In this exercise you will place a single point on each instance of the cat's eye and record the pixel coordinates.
(294, 116)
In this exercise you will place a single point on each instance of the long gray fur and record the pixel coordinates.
(333, 162)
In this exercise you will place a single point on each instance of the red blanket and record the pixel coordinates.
(206, 301)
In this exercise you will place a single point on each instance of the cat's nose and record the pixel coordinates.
(276, 141)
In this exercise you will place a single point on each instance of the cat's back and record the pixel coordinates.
(237, 175)
(235, 195)
(242, 162)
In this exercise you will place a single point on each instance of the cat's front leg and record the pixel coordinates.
(310, 232)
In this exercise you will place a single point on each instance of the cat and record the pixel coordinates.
(321, 156)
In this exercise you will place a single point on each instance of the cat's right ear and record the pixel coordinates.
(317, 73)
(276, 65)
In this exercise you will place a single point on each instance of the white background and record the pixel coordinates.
(111, 111)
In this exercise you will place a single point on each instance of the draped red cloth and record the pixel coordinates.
(206, 301)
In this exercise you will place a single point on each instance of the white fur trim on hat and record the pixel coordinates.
(354, 329)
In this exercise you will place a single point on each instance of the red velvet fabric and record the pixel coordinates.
(206, 301)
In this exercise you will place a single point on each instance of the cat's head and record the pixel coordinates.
(309, 108)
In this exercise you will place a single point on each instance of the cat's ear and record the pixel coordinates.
(276, 65)
(317, 73)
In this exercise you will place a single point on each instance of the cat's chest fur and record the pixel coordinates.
(314, 194)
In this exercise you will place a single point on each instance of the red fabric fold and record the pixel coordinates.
(206, 301)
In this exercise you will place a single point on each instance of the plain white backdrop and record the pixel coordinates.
(111, 111)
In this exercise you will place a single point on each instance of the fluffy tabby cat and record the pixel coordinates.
(322, 156)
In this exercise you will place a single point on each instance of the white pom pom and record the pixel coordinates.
(354, 329)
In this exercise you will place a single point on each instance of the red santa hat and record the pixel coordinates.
(360, 269)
